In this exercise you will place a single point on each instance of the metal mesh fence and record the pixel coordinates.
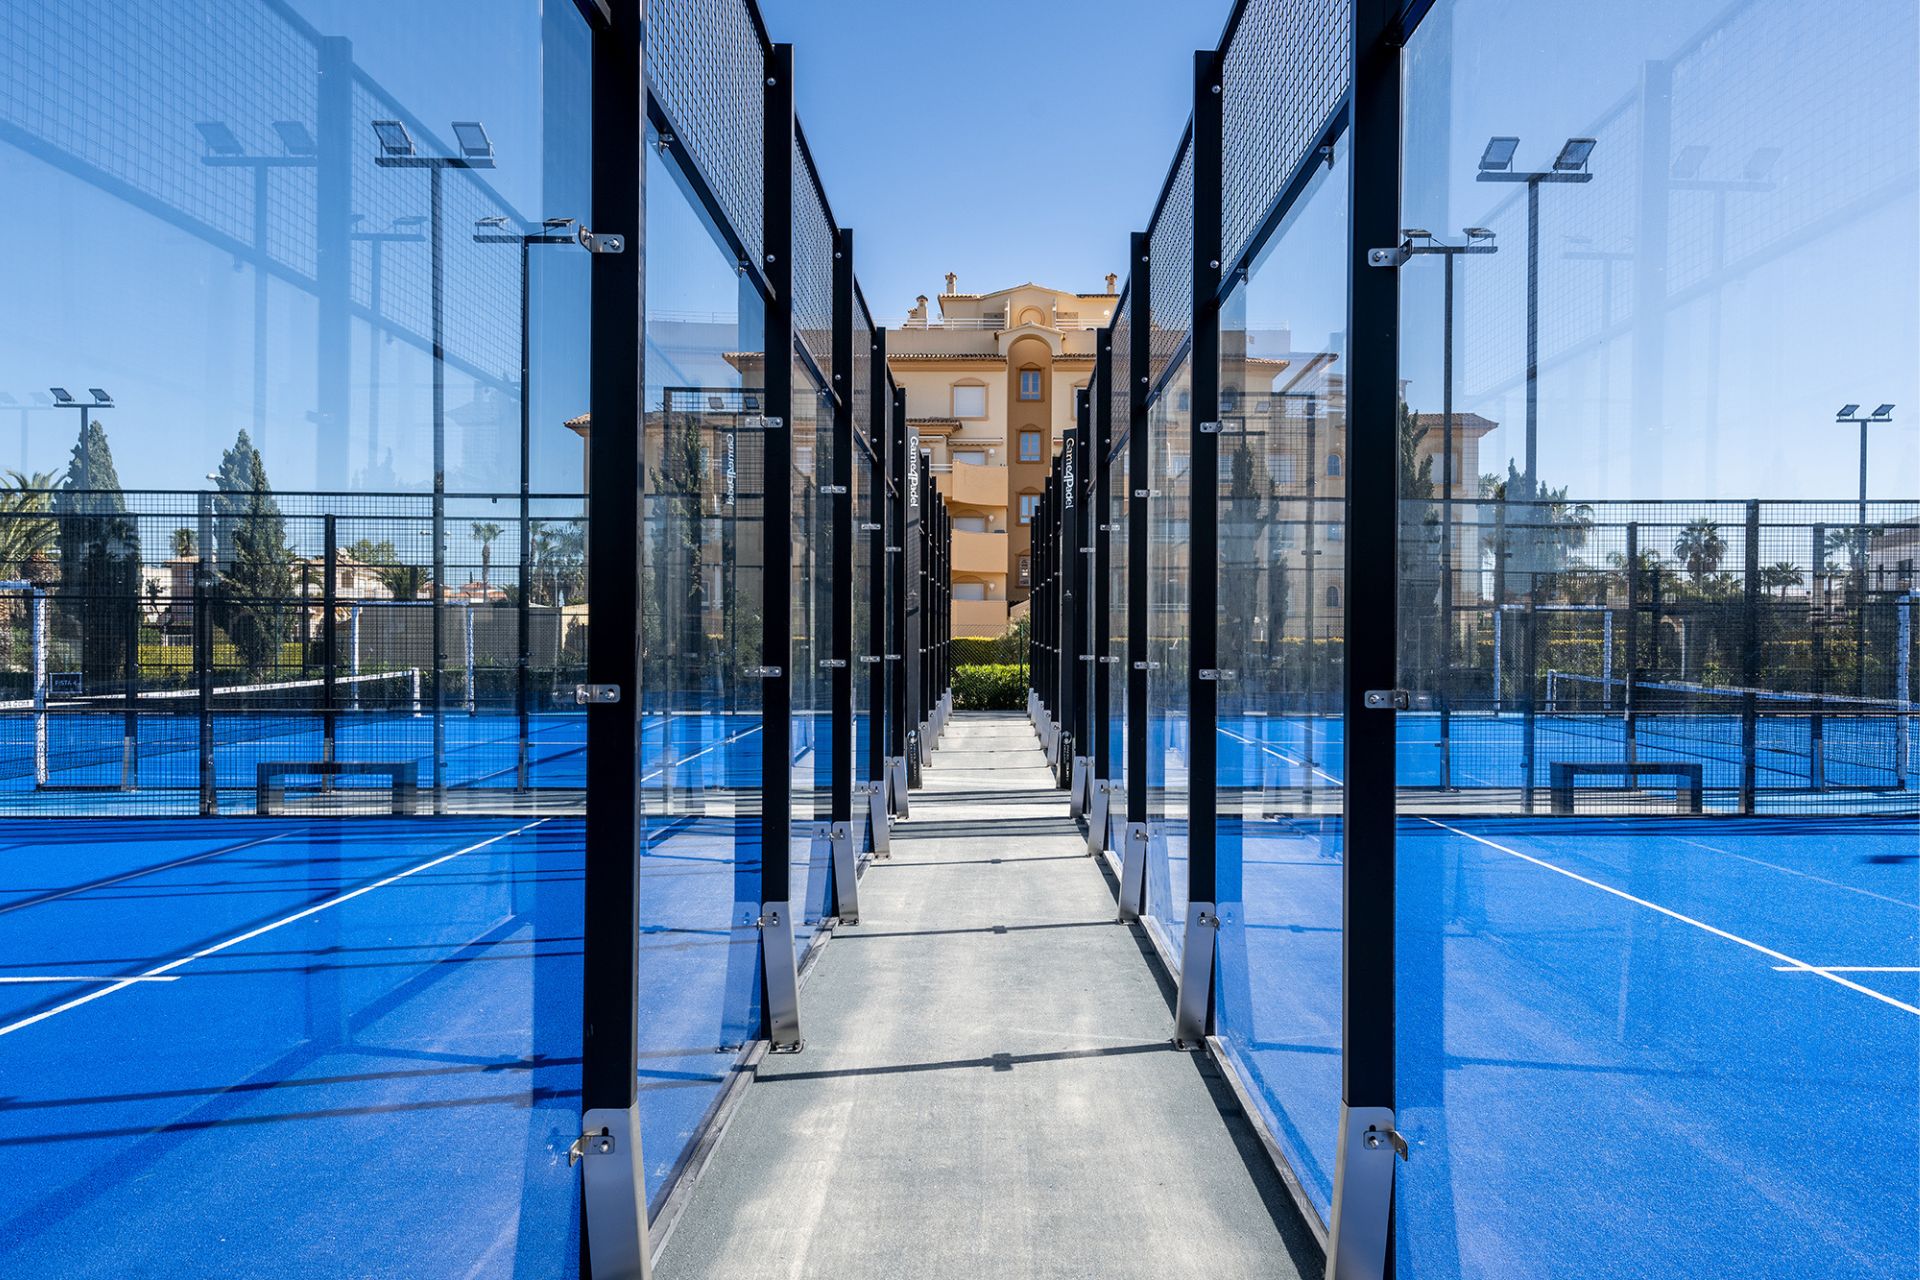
(813, 255)
(1170, 263)
(706, 67)
(1285, 69)
(171, 650)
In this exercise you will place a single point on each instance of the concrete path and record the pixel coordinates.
(988, 1087)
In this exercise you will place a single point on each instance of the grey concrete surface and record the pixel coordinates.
(988, 1087)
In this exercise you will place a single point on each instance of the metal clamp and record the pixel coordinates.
(869, 657)
(835, 489)
(1215, 673)
(1146, 666)
(1110, 662)
(1387, 699)
(764, 673)
(868, 526)
(767, 921)
(833, 664)
(1209, 428)
(601, 1144)
(1375, 1137)
(762, 422)
(600, 244)
(1394, 257)
(584, 694)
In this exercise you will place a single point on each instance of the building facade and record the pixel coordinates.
(991, 384)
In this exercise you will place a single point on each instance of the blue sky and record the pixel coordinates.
(1004, 140)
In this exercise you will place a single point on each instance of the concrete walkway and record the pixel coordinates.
(988, 1087)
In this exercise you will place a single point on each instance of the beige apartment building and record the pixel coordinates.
(991, 382)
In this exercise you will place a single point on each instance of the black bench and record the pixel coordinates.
(1565, 771)
(270, 793)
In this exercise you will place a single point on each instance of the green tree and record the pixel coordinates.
(402, 581)
(186, 543)
(484, 532)
(28, 531)
(254, 596)
(1699, 549)
(1780, 575)
(99, 545)
(1420, 535)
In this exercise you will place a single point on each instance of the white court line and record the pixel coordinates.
(744, 733)
(1805, 875)
(1281, 755)
(82, 977)
(135, 875)
(1847, 968)
(121, 984)
(1669, 912)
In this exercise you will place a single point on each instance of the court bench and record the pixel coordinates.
(270, 792)
(1565, 772)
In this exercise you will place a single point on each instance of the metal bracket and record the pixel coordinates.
(1387, 699)
(584, 694)
(833, 489)
(1209, 428)
(764, 673)
(834, 664)
(600, 244)
(1364, 1167)
(893, 551)
(1215, 673)
(1394, 257)
(869, 657)
(1110, 662)
(1146, 666)
(614, 1192)
(763, 422)
(868, 526)
(775, 923)
(1133, 871)
(1196, 975)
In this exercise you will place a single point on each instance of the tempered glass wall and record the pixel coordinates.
(1169, 628)
(272, 532)
(1656, 871)
(1281, 624)
(703, 510)
(812, 571)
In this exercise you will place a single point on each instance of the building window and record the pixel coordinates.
(1283, 468)
(972, 457)
(1029, 384)
(1333, 597)
(1026, 571)
(969, 400)
(1029, 504)
(1029, 446)
(1333, 464)
(1336, 532)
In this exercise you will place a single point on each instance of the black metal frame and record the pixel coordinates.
(1139, 465)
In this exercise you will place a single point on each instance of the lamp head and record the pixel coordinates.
(394, 138)
(294, 137)
(472, 138)
(219, 139)
(1574, 155)
(61, 395)
(1846, 412)
(1883, 414)
(1498, 157)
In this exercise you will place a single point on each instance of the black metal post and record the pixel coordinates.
(203, 585)
(1750, 662)
(1361, 1238)
(842, 498)
(329, 636)
(880, 584)
(1203, 548)
(437, 273)
(900, 461)
(1139, 458)
(614, 1198)
(1100, 746)
(1630, 715)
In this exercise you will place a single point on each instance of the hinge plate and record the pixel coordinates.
(764, 673)
(586, 694)
(1387, 699)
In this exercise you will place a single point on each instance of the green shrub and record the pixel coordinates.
(999, 686)
(984, 651)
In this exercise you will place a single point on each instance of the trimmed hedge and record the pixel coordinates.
(999, 686)
(977, 651)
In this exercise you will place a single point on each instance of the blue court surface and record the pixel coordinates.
(1629, 1047)
(301, 1047)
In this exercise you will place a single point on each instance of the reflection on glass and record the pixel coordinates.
(1168, 632)
(1283, 445)
(1657, 581)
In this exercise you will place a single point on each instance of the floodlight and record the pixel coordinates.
(411, 220)
(219, 139)
(1846, 411)
(1573, 156)
(473, 140)
(6, 397)
(1415, 233)
(1760, 164)
(64, 396)
(492, 220)
(394, 138)
(1883, 414)
(1478, 233)
(1687, 162)
(555, 224)
(294, 137)
(1499, 154)
(101, 397)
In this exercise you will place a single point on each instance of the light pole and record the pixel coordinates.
(1851, 413)
(1417, 241)
(493, 230)
(224, 150)
(64, 399)
(397, 151)
(400, 230)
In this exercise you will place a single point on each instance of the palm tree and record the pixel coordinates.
(1700, 548)
(1781, 574)
(484, 532)
(27, 530)
(186, 543)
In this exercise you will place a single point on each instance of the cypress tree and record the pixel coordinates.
(256, 572)
(99, 546)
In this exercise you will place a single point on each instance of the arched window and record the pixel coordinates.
(1333, 597)
(1333, 464)
(1029, 504)
(1030, 383)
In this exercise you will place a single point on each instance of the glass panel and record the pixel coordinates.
(1657, 868)
(1119, 551)
(700, 712)
(1168, 630)
(294, 568)
(1281, 623)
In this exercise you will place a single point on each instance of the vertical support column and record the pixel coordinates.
(333, 254)
(1360, 1241)
(1100, 597)
(1629, 711)
(880, 585)
(1133, 864)
(846, 893)
(1750, 661)
(1817, 631)
(1193, 1012)
(614, 1185)
(329, 638)
(900, 462)
(204, 567)
(1073, 470)
(780, 1011)
(1073, 731)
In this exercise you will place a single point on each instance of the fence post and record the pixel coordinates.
(1750, 661)
(329, 635)
(1630, 720)
(845, 876)
(1133, 879)
(1817, 657)
(203, 571)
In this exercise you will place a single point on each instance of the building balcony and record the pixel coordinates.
(979, 552)
(975, 485)
(979, 618)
